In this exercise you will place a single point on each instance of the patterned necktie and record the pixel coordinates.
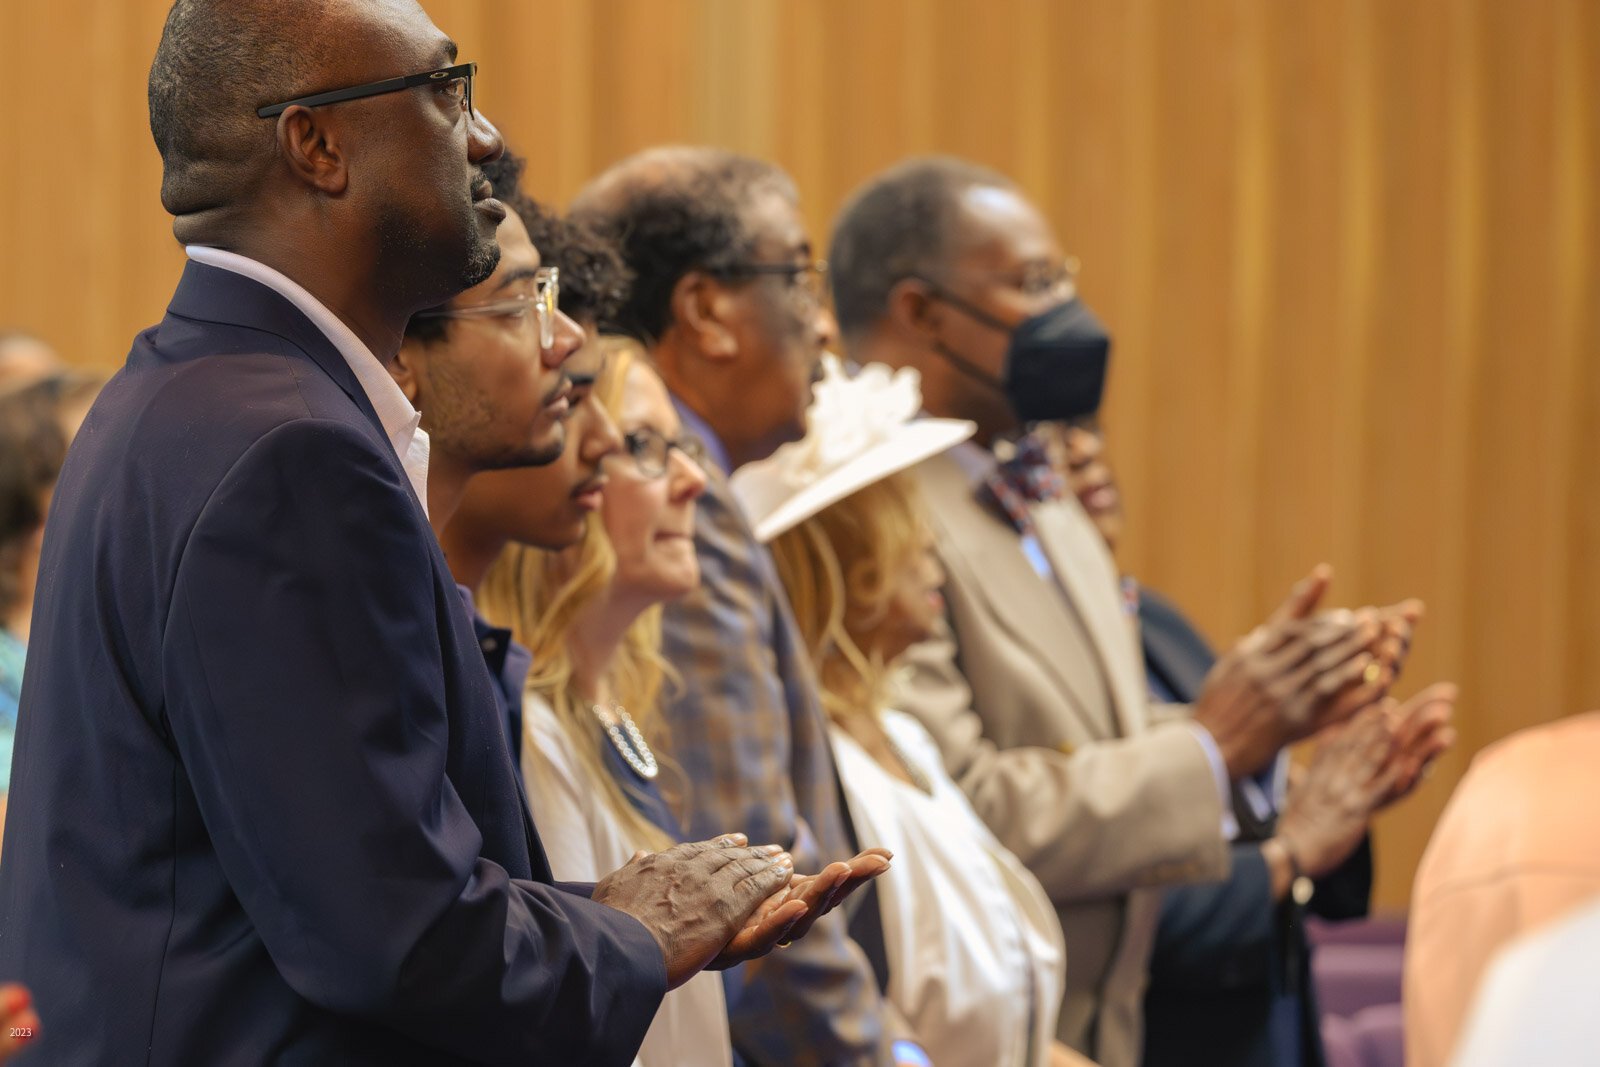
(1026, 478)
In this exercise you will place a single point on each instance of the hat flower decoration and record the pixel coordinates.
(858, 430)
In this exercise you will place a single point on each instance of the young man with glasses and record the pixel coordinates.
(263, 809)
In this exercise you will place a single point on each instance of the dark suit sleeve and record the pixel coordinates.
(1218, 934)
(1346, 891)
(306, 689)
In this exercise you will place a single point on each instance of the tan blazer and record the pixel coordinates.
(1038, 703)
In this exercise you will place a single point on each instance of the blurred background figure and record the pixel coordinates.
(25, 360)
(1535, 1004)
(1517, 850)
(32, 447)
(975, 954)
(42, 404)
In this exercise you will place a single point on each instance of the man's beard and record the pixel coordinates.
(522, 456)
(430, 265)
(467, 424)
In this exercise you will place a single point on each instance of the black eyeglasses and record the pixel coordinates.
(455, 82)
(808, 278)
(651, 450)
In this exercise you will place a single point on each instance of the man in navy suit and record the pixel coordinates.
(263, 808)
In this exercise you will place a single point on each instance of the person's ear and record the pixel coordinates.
(313, 148)
(703, 307)
(913, 310)
(406, 368)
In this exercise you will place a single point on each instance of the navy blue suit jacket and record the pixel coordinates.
(263, 808)
(1230, 968)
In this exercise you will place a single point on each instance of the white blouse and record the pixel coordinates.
(585, 841)
(975, 953)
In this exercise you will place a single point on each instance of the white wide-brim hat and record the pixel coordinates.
(859, 431)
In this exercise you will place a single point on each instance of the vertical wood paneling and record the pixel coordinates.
(1350, 251)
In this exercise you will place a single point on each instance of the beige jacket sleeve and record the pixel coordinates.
(1090, 818)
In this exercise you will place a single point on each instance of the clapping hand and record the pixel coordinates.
(1301, 671)
(1360, 768)
(1421, 733)
(778, 921)
(1332, 801)
(719, 902)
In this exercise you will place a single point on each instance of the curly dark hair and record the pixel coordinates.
(32, 448)
(505, 176)
(670, 211)
(895, 226)
(595, 283)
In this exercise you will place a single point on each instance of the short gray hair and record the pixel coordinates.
(897, 226)
(670, 211)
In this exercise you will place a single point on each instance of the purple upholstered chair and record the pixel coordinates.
(1351, 977)
(1380, 1032)
(1373, 1038)
(1340, 1044)
(1379, 930)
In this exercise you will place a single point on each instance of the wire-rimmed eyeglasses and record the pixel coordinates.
(651, 450)
(810, 279)
(544, 302)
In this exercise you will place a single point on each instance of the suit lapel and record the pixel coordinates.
(1084, 567)
(211, 294)
(1171, 654)
(986, 546)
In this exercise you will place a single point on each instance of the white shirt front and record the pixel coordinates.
(402, 423)
(976, 959)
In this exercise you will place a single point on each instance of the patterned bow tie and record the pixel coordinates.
(1026, 478)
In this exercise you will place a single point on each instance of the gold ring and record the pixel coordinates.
(785, 944)
(1372, 673)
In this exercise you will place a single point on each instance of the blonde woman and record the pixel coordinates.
(973, 944)
(591, 617)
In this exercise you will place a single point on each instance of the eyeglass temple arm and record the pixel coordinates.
(336, 96)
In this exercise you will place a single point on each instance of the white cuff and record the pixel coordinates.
(1219, 772)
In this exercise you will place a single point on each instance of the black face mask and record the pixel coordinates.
(1056, 366)
(1055, 369)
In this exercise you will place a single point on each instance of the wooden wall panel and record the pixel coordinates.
(1350, 250)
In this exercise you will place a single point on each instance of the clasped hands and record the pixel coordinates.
(1300, 672)
(1360, 768)
(713, 904)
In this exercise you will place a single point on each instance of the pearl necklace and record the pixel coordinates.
(632, 748)
(914, 772)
